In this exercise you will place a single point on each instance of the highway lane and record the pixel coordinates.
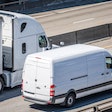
(70, 12)
(12, 101)
(71, 19)
(104, 43)
(75, 14)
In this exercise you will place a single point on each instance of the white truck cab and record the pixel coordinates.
(61, 75)
(20, 35)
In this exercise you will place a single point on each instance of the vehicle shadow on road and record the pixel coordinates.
(78, 104)
(58, 108)
(10, 93)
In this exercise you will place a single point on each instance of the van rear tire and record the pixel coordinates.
(1, 85)
(70, 100)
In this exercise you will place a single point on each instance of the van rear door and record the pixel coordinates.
(43, 78)
(29, 74)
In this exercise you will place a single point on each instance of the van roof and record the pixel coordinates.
(67, 52)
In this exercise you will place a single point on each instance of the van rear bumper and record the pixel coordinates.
(37, 101)
(53, 100)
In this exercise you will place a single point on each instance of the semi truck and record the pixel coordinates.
(62, 75)
(20, 35)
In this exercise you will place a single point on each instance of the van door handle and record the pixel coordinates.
(102, 74)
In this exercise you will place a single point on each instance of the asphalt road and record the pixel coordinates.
(11, 100)
(62, 21)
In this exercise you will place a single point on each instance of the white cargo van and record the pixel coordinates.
(61, 75)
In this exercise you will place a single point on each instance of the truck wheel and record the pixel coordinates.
(1, 85)
(70, 100)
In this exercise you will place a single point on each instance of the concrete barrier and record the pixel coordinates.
(110, 29)
(85, 35)
(67, 38)
(93, 33)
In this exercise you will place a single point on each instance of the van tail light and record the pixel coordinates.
(52, 90)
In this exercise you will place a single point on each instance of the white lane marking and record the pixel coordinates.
(40, 16)
(85, 20)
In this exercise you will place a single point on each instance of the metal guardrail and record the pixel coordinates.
(96, 107)
(11, 3)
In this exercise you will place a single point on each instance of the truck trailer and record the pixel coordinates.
(62, 75)
(20, 35)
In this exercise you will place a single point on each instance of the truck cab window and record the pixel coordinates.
(42, 41)
(23, 26)
(108, 62)
(23, 48)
